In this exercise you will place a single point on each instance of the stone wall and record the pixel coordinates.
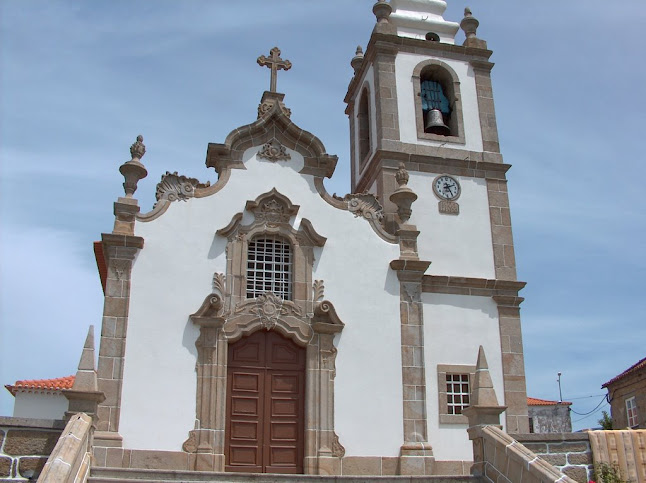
(550, 419)
(568, 452)
(25, 445)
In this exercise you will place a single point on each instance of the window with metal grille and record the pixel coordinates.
(457, 392)
(631, 412)
(269, 267)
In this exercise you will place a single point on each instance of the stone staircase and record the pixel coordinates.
(132, 475)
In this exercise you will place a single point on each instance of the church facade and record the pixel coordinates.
(271, 327)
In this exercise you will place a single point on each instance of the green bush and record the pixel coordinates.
(606, 473)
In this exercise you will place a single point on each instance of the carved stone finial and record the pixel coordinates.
(403, 196)
(470, 26)
(138, 149)
(133, 170)
(382, 11)
(357, 60)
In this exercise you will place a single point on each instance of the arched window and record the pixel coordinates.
(363, 118)
(438, 106)
(269, 267)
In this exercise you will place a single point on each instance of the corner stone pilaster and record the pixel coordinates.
(416, 456)
(120, 250)
(484, 90)
(513, 364)
(387, 112)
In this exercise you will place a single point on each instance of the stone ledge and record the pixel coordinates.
(12, 422)
(550, 437)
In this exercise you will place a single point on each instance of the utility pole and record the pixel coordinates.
(560, 393)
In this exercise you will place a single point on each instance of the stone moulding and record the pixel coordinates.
(272, 126)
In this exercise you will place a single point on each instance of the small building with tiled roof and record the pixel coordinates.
(40, 398)
(627, 397)
(547, 416)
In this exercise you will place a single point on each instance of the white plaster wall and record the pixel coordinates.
(172, 275)
(368, 80)
(454, 328)
(405, 64)
(40, 405)
(458, 245)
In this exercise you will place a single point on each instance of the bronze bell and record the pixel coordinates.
(435, 123)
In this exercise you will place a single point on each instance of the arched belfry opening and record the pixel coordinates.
(363, 121)
(437, 101)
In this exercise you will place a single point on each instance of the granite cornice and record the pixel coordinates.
(505, 290)
(116, 240)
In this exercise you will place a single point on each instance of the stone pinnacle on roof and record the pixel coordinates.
(86, 378)
(483, 393)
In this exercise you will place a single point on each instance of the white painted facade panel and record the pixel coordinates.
(405, 64)
(40, 405)
(454, 328)
(458, 245)
(173, 273)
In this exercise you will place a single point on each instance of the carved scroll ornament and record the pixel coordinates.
(174, 187)
(274, 151)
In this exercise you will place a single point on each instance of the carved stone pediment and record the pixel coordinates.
(174, 187)
(268, 308)
(272, 208)
(268, 312)
(272, 212)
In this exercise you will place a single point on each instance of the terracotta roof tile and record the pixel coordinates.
(532, 401)
(42, 384)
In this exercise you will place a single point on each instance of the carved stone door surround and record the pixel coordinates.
(226, 315)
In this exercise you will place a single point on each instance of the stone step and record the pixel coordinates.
(133, 475)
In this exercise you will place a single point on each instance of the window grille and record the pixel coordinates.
(631, 412)
(269, 267)
(457, 392)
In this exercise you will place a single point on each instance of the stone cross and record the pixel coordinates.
(275, 63)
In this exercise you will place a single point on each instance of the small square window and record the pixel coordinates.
(454, 392)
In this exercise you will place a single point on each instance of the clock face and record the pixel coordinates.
(446, 187)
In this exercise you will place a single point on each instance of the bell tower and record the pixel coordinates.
(419, 99)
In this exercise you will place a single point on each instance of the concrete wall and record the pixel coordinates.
(456, 245)
(41, 404)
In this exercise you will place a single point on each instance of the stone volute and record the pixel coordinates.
(403, 196)
(133, 170)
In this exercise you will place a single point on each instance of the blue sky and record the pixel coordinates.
(80, 80)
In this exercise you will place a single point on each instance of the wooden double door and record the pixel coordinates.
(265, 405)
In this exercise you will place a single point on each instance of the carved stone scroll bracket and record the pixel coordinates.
(175, 187)
(326, 320)
(274, 151)
(366, 206)
(210, 313)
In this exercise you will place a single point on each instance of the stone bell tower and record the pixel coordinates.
(419, 99)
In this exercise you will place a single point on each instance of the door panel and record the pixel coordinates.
(265, 405)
